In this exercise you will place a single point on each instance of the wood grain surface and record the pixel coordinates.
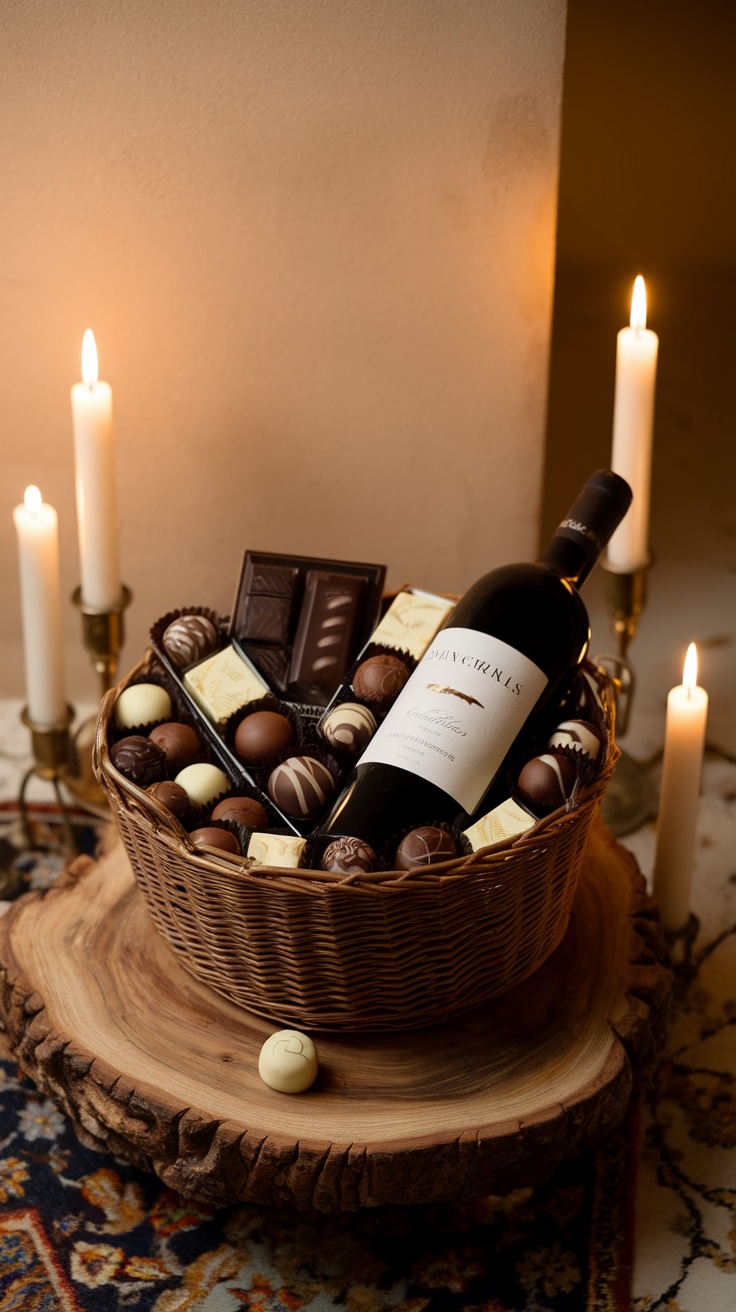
(152, 1065)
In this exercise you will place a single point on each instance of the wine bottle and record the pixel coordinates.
(505, 655)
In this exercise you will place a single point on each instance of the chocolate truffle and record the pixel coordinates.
(425, 846)
(188, 639)
(547, 781)
(142, 704)
(243, 811)
(380, 679)
(203, 783)
(172, 796)
(178, 742)
(348, 856)
(349, 727)
(138, 759)
(262, 735)
(579, 734)
(300, 786)
(288, 1062)
(211, 836)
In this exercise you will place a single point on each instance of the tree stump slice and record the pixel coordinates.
(156, 1068)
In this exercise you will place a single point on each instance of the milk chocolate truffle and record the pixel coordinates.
(138, 759)
(349, 727)
(288, 1062)
(203, 783)
(172, 796)
(211, 836)
(348, 856)
(581, 735)
(380, 679)
(142, 704)
(178, 742)
(188, 639)
(243, 811)
(262, 735)
(425, 846)
(547, 781)
(300, 786)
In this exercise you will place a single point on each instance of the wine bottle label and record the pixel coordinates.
(459, 713)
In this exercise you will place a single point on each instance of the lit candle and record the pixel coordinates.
(37, 528)
(97, 517)
(633, 420)
(687, 710)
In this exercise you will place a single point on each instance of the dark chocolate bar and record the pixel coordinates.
(323, 644)
(266, 618)
(273, 662)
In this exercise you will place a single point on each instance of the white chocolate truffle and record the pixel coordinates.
(203, 783)
(288, 1062)
(141, 704)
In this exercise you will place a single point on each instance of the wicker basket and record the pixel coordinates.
(387, 951)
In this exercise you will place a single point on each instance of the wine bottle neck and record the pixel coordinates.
(573, 560)
(584, 533)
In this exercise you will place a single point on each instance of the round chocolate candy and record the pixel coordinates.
(211, 836)
(288, 1061)
(262, 735)
(178, 742)
(172, 796)
(189, 639)
(579, 734)
(425, 846)
(380, 679)
(300, 786)
(142, 704)
(348, 856)
(349, 727)
(243, 811)
(203, 783)
(547, 781)
(138, 759)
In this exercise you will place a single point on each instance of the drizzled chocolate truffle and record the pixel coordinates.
(211, 836)
(380, 679)
(241, 810)
(425, 846)
(349, 727)
(189, 639)
(178, 742)
(348, 856)
(172, 796)
(301, 786)
(546, 782)
(578, 734)
(139, 759)
(262, 735)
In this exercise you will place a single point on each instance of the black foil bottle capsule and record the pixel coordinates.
(504, 656)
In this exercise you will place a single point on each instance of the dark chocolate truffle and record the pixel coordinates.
(189, 639)
(138, 759)
(211, 836)
(348, 856)
(178, 742)
(349, 727)
(301, 786)
(581, 735)
(380, 679)
(243, 811)
(172, 796)
(425, 846)
(262, 735)
(547, 781)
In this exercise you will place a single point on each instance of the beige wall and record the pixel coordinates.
(315, 243)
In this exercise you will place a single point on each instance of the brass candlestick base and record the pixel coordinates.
(103, 632)
(51, 759)
(630, 798)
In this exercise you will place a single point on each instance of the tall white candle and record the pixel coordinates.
(97, 514)
(37, 529)
(633, 420)
(687, 711)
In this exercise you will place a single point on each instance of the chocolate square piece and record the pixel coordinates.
(266, 619)
(324, 638)
(223, 683)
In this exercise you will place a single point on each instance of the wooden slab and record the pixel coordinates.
(157, 1068)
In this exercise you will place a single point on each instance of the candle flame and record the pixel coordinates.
(690, 672)
(89, 359)
(32, 499)
(639, 304)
